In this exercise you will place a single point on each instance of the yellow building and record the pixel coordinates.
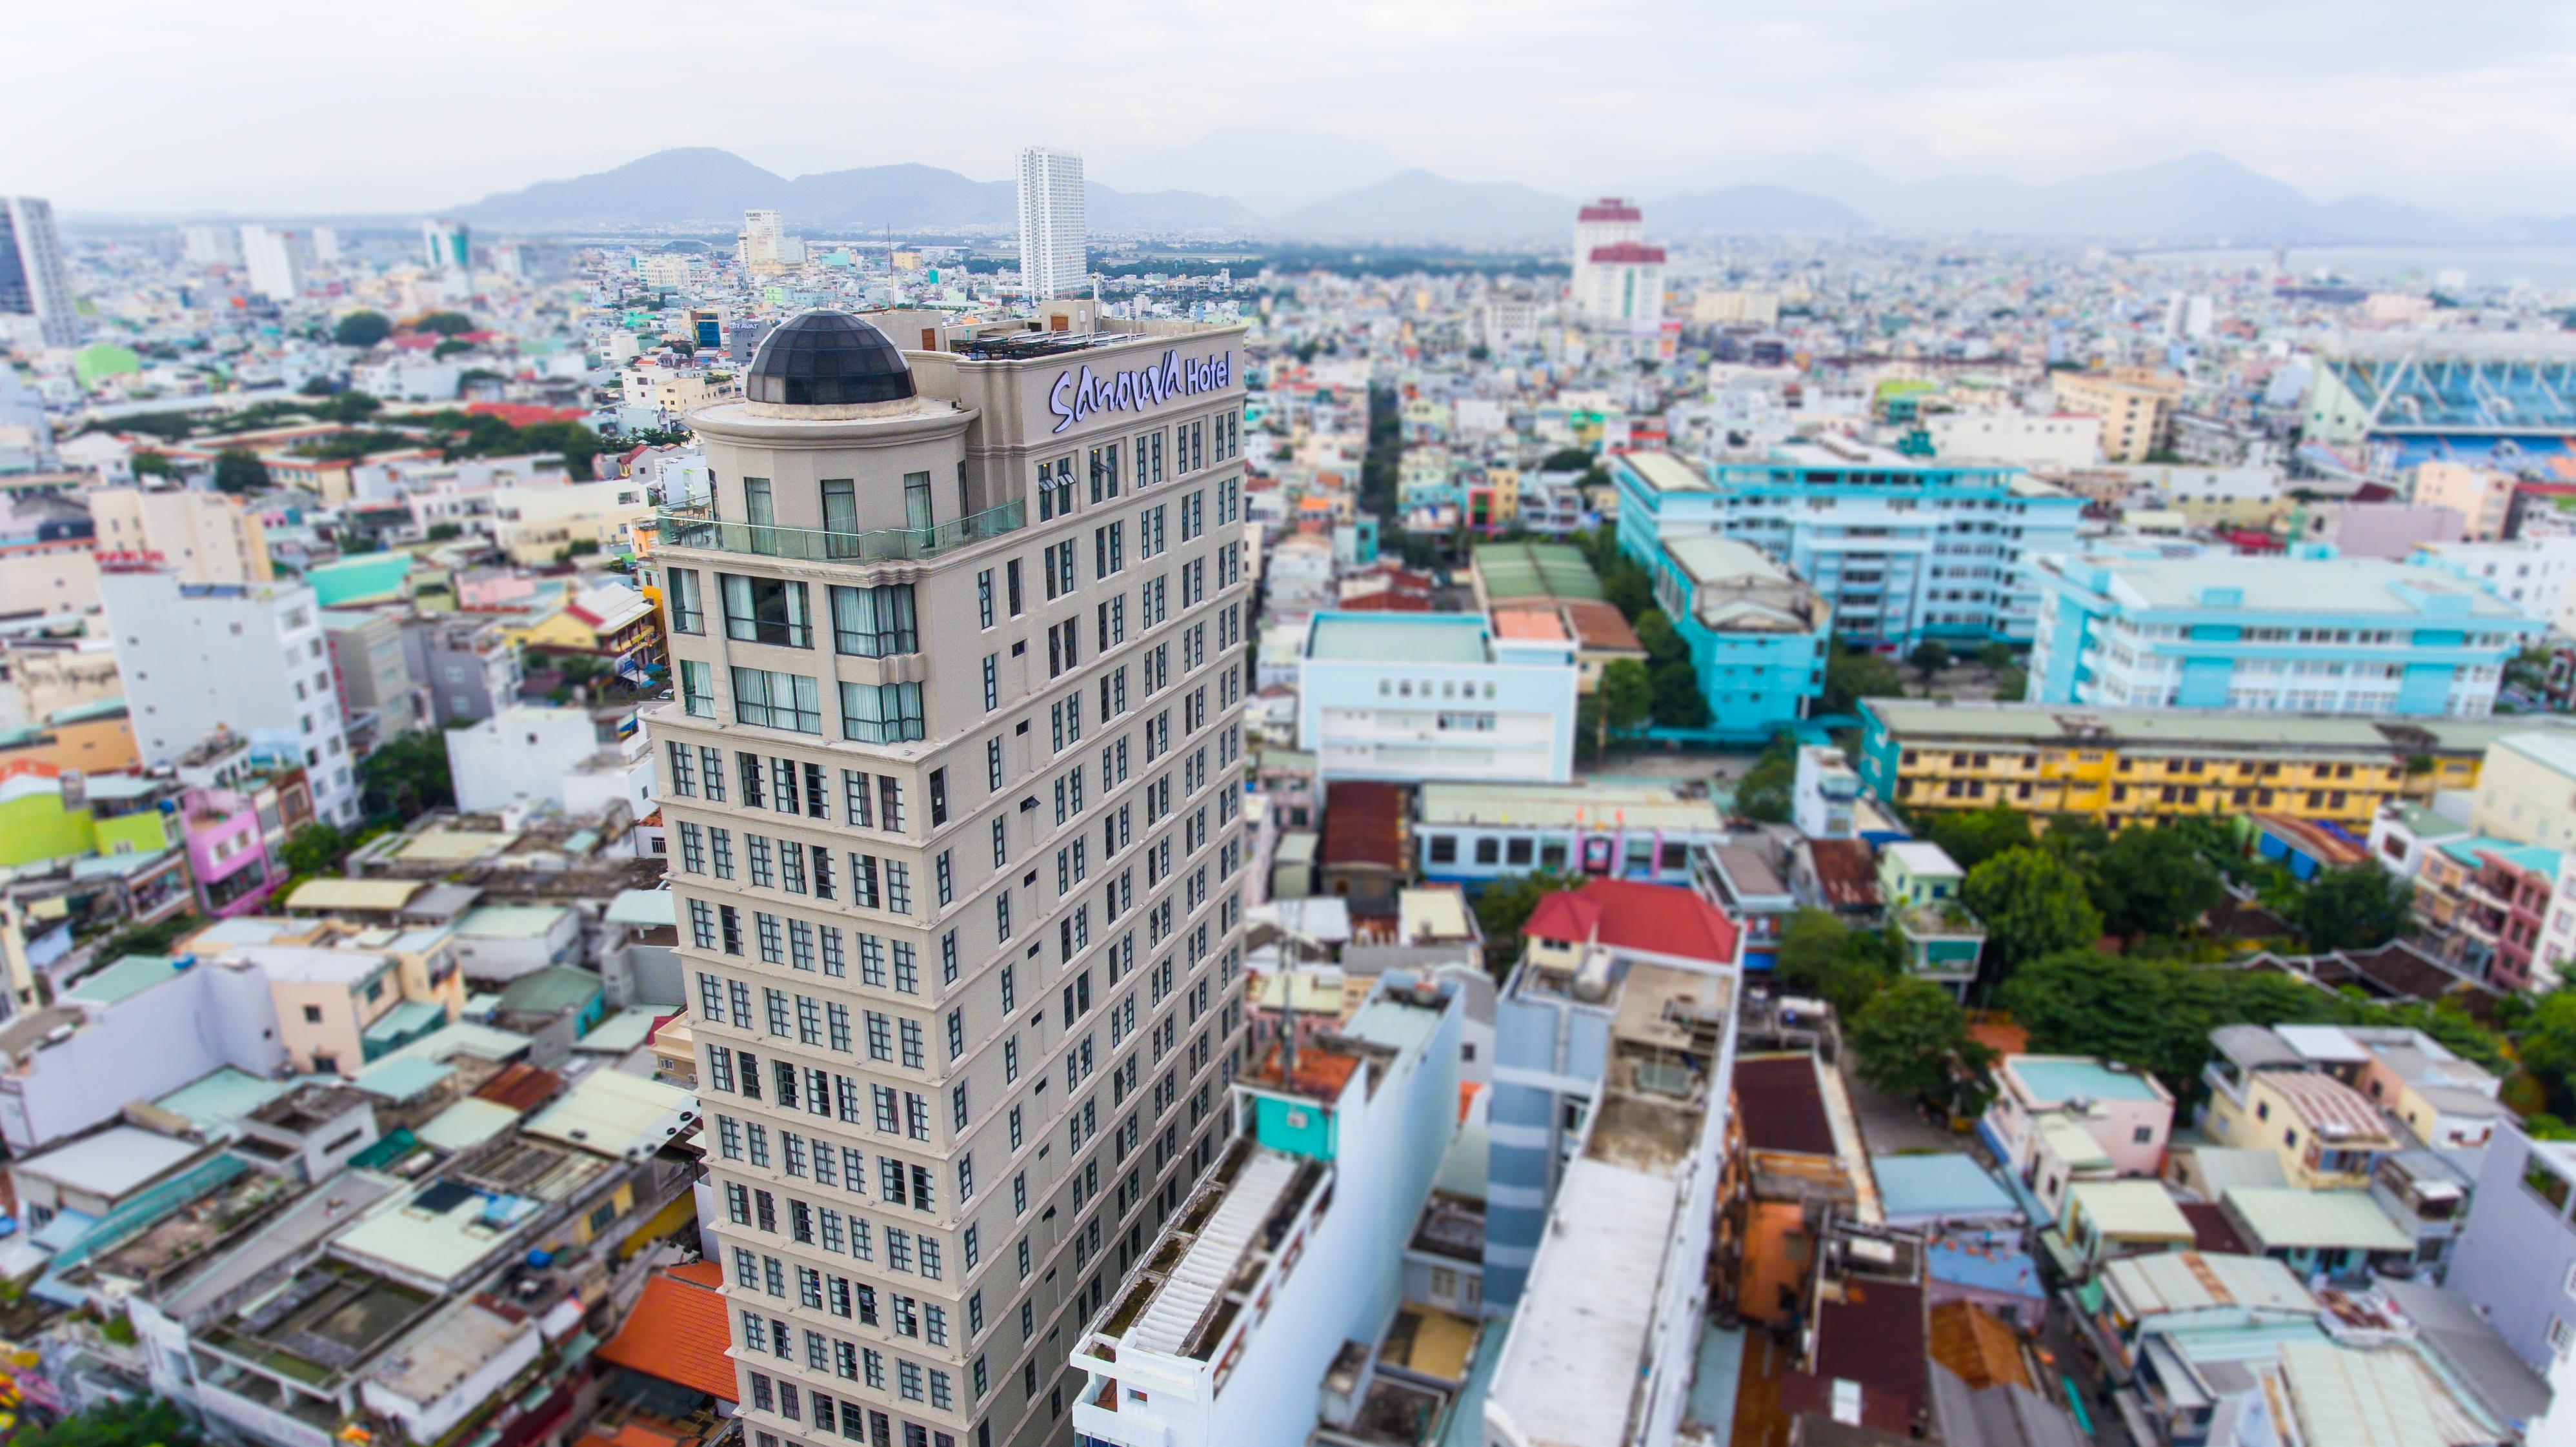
(2324, 1133)
(208, 537)
(2136, 405)
(2481, 496)
(2123, 765)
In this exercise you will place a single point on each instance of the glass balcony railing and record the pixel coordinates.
(693, 527)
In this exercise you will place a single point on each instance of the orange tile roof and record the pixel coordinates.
(1540, 624)
(679, 1332)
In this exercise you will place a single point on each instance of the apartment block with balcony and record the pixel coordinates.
(2120, 765)
(1240, 1324)
(1920, 883)
(953, 786)
(1899, 548)
(2483, 904)
(2288, 1090)
(2270, 635)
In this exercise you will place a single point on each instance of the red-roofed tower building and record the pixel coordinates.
(1618, 281)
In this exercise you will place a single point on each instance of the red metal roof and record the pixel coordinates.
(1629, 251)
(1627, 914)
(1363, 824)
(527, 414)
(1844, 872)
(1782, 1105)
(1610, 208)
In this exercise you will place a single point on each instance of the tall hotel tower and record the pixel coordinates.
(953, 782)
(1054, 236)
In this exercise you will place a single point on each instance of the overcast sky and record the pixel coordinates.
(275, 106)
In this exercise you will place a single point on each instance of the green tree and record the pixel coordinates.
(1587, 728)
(1763, 794)
(1819, 955)
(1852, 675)
(446, 324)
(1911, 1039)
(2360, 908)
(314, 849)
(2153, 882)
(354, 407)
(1929, 657)
(1627, 695)
(1628, 588)
(2031, 905)
(2012, 685)
(150, 464)
(449, 348)
(362, 329)
(239, 470)
(1504, 907)
(2547, 1044)
(1678, 702)
(1663, 643)
(1567, 459)
(1995, 653)
(147, 1422)
(1972, 836)
(406, 777)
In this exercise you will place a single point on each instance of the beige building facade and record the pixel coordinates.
(953, 788)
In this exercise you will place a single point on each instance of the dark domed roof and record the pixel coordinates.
(827, 359)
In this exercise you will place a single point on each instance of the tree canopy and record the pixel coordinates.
(239, 470)
(1763, 794)
(1504, 907)
(362, 329)
(2360, 908)
(1627, 694)
(446, 324)
(1851, 676)
(1912, 1039)
(2031, 905)
(1817, 954)
(1972, 836)
(407, 776)
(147, 1422)
(2153, 882)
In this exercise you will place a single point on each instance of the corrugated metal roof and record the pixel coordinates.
(2289, 1218)
(363, 894)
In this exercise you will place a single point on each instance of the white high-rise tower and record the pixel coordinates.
(33, 282)
(1054, 239)
(1618, 280)
(275, 262)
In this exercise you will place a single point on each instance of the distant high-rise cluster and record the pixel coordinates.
(1054, 239)
(445, 246)
(1618, 278)
(274, 258)
(763, 245)
(34, 287)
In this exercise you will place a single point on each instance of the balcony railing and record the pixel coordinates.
(694, 527)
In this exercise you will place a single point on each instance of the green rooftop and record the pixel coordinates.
(124, 980)
(552, 989)
(1536, 570)
(1398, 638)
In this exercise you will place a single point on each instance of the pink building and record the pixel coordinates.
(228, 851)
(2127, 1112)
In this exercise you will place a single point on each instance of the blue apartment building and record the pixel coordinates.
(1902, 548)
(2270, 635)
(1757, 635)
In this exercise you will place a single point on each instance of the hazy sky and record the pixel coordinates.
(270, 105)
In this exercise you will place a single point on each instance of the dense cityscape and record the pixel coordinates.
(1611, 827)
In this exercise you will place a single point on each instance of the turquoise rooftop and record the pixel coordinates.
(2051, 1080)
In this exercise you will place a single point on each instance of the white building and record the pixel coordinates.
(1618, 280)
(250, 658)
(1054, 236)
(1413, 697)
(763, 243)
(2533, 574)
(444, 246)
(1228, 1335)
(2016, 439)
(209, 246)
(528, 754)
(274, 261)
(35, 290)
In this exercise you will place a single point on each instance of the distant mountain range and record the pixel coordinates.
(2201, 197)
(702, 185)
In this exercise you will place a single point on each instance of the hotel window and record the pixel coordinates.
(760, 514)
(1055, 489)
(779, 700)
(916, 501)
(766, 610)
(697, 688)
(882, 713)
(688, 608)
(874, 622)
(841, 517)
(1104, 473)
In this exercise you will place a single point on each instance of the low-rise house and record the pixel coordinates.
(2127, 1113)
(2106, 1220)
(1942, 940)
(1472, 833)
(2270, 1090)
(2341, 1234)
